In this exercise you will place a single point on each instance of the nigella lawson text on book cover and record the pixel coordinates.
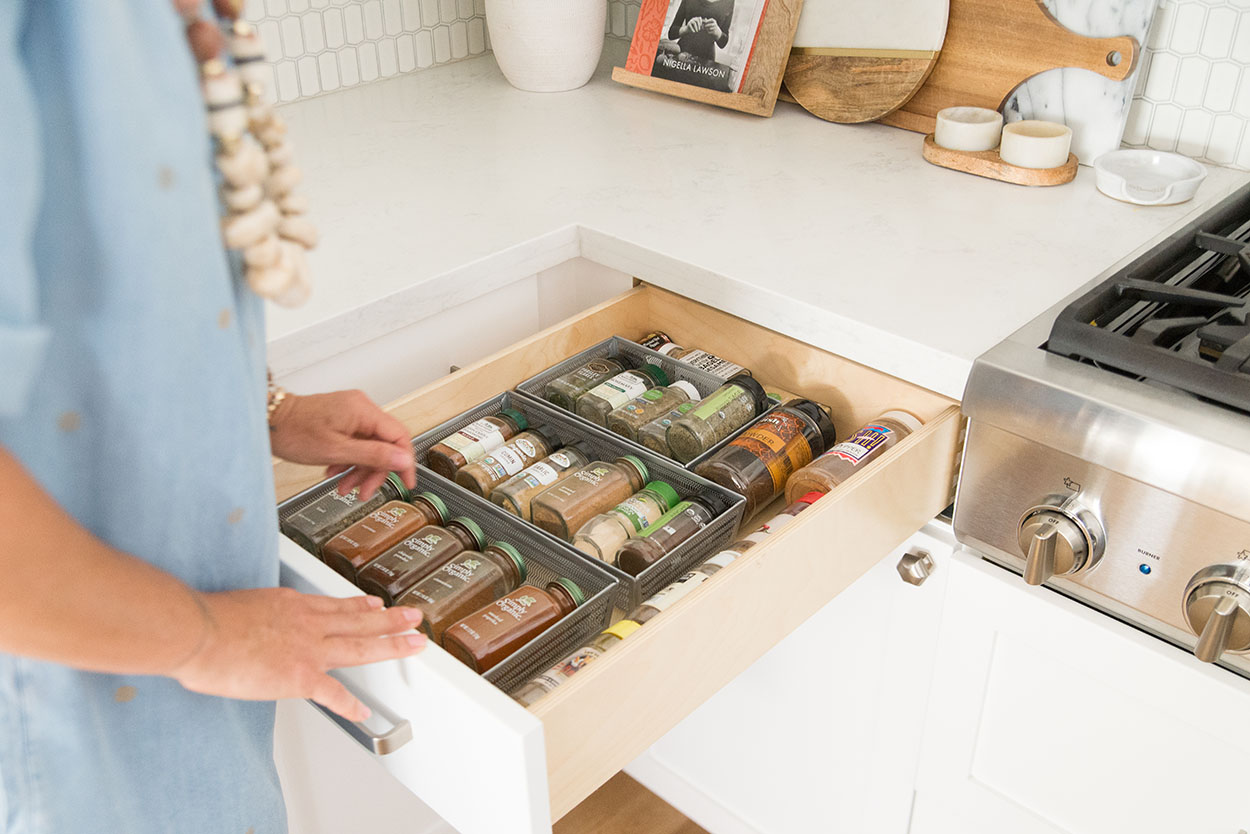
(707, 43)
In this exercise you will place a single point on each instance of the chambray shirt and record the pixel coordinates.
(132, 388)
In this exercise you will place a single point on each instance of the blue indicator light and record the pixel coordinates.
(1145, 569)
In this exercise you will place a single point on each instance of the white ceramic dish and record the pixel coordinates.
(968, 128)
(1148, 178)
(1033, 143)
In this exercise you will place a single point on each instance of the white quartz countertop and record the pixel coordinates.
(439, 185)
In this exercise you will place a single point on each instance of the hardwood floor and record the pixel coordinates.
(622, 806)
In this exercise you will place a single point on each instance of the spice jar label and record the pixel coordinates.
(711, 363)
(861, 445)
(514, 607)
(527, 446)
(666, 598)
(463, 570)
(595, 369)
(777, 441)
(541, 474)
(504, 462)
(652, 395)
(620, 389)
(569, 667)
(475, 439)
(717, 401)
(633, 511)
(560, 458)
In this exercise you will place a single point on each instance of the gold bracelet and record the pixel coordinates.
(276, 395)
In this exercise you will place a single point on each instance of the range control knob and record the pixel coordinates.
(1217, 608)
(1059, 538)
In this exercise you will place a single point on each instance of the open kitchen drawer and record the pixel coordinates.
(490, 766)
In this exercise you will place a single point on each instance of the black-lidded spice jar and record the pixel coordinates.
(417, 556)
(322, 519)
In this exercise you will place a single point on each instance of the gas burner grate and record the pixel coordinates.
(1178, 317)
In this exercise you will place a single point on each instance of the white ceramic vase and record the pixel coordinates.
(547, 46)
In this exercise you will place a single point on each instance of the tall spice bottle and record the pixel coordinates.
(565, 507)
(848, 457)
(474, 442)
(482, 477)
(401, 567)
(484, 638)
(464, 585)
(515, 494)
(669, 531)
(382, 529)
(322, 519)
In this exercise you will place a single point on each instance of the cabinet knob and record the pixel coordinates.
(915, 566)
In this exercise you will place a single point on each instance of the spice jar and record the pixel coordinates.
(777, 522)
(575, 662)
(325, 517)
(474, 441)
(655, 340)
(515, 494)
(489, 635)
(845, 459)
(417, 556)
(611, 394)
(381, 530)
(717, 416)
(527, 447)
(565, 389)
(703, 360)
(464, 585)
(604, 534)
(562, 509)
(654, 435)
(629, 418)
(668, 532)
(678, 589)
(758, 462)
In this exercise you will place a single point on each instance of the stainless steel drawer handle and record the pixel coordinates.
(915, 566)
(382, 732)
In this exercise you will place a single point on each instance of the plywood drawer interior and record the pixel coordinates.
(604, 717)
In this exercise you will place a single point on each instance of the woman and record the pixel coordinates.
(141, 638)
(701, 25)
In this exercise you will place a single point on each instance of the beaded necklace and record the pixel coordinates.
(265, 220)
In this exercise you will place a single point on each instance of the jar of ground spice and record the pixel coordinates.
(527, 447)
(484, 638)
(320, 520)
(611, 394)
(562, 509)
(416, 557)
(604, 534)
(474, 441)
(654, 435)
(565, 389)
(629, 418)
(655, 340)
(758, 462)
(515, 494)
(669, 531)
(463, 585)
(703, 360)
(380, 530)
(717, 416)
(575, 662)
(848, 457)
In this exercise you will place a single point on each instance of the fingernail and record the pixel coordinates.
(416, 641)
(400, 460)
(412, 615)
(364, 713)
(375, 602)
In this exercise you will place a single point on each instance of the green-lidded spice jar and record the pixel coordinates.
(565, 389)
(638, 412)
(604, 534)
(527, 447)
(464, 585)
(757, 463)
(515, 494)
(562, 509)
(390, 575)
(380, 530)
(717, 416)
(654, 435)
(575, 662)
(324, 518)
(669, 531)
(474, 442)
(704, 361)
(597, 403)
(485, 637)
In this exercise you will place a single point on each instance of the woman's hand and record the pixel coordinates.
(342, 430)
(694, 24)
(713, 27)
(272, 643)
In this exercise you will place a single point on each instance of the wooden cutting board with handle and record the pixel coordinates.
(858, 60)
(993, 46)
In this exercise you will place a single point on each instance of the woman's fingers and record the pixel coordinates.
(357, 651)
(333, 695)
(371, 623)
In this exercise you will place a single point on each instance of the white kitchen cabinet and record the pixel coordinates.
(1047, 717)
(823, 732)
(489, 766)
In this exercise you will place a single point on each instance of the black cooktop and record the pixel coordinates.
(1179, 316)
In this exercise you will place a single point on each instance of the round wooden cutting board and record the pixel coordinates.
(858, 60)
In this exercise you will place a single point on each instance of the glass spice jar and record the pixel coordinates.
(717, 416)
(380, 530)
(565, 389)
(325, 517)
(515, 494)
(562, 509)
(474, 442)
(527, 447)
(464, 585)
(668, 532)
(484, 638)
(703, 360)
(758, 462)
(777, 522)
(654, 435)
(575, 662)
(611, 394)
(678, 589)
(417, 556)
(845, 459)
(604, 534)
(654, 340)
(629, 418)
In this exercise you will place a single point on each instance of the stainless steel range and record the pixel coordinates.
(1108, 449)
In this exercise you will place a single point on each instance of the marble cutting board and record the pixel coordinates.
(1096, 108)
